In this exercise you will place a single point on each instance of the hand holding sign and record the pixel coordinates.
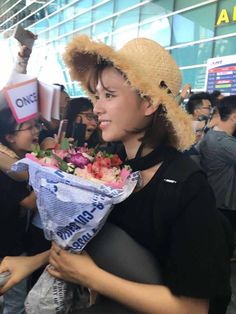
(27, 97)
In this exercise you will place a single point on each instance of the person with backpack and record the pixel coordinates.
(172, 212)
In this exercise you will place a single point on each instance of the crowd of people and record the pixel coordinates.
(214, 124)
(183, 209)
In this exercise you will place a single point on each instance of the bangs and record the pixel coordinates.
(96, 75)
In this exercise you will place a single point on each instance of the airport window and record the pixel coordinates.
(82, 20)
(122, 5)
(225, 47)
(195, 21)
(155, 9)
(121, 38)
(102, 29)
(128, 18)
(181, 4)
(159, 30)
(194, 54)
(196, 77)
(103, 11)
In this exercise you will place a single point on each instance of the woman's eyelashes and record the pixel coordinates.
(107, 95)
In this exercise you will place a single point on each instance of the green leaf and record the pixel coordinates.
(65, 144)
(48, 152)
(36, 149)
(62, 164)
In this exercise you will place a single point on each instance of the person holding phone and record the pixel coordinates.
(26, 41)
(82, 122)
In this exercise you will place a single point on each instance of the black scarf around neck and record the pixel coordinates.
(139, 163)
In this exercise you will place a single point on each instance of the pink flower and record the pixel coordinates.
(61, 153)
(79, 160)
(95, 166)
(82, 173)
(105, 162)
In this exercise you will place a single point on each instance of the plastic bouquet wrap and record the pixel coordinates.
(76, 189)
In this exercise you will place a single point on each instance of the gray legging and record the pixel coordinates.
(115, 251)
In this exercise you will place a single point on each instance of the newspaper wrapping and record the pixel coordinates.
(72, 211)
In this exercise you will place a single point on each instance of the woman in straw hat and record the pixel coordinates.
(133, 91)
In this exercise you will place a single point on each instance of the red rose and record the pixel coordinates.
(115, 161)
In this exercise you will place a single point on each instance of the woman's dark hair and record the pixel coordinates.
(193, 104)
(75, 107)
(7, 125)
(159, 131)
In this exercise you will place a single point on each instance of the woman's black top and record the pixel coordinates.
(186, 236)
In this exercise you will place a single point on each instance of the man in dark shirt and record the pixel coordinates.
(218, 158)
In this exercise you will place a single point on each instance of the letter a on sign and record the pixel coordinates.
(223, 17)
(22, 100)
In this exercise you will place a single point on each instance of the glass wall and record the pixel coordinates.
(189, 29)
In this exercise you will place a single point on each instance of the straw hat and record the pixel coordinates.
(146, 65)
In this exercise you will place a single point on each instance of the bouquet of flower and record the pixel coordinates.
(84, 162)
(76, 189)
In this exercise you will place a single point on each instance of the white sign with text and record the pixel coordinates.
(23, 100)
(48, 97)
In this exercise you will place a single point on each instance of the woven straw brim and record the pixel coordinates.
(145, 64)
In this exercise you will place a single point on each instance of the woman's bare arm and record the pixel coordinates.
(21, 267)
(144, 298)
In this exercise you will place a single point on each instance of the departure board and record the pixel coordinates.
(221, 75)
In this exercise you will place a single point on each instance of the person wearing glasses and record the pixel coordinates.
(16, 140)
(199, 106)
(80, 114)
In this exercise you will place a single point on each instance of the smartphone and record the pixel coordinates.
(62, 130)
(78, 133)
(24, 37)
